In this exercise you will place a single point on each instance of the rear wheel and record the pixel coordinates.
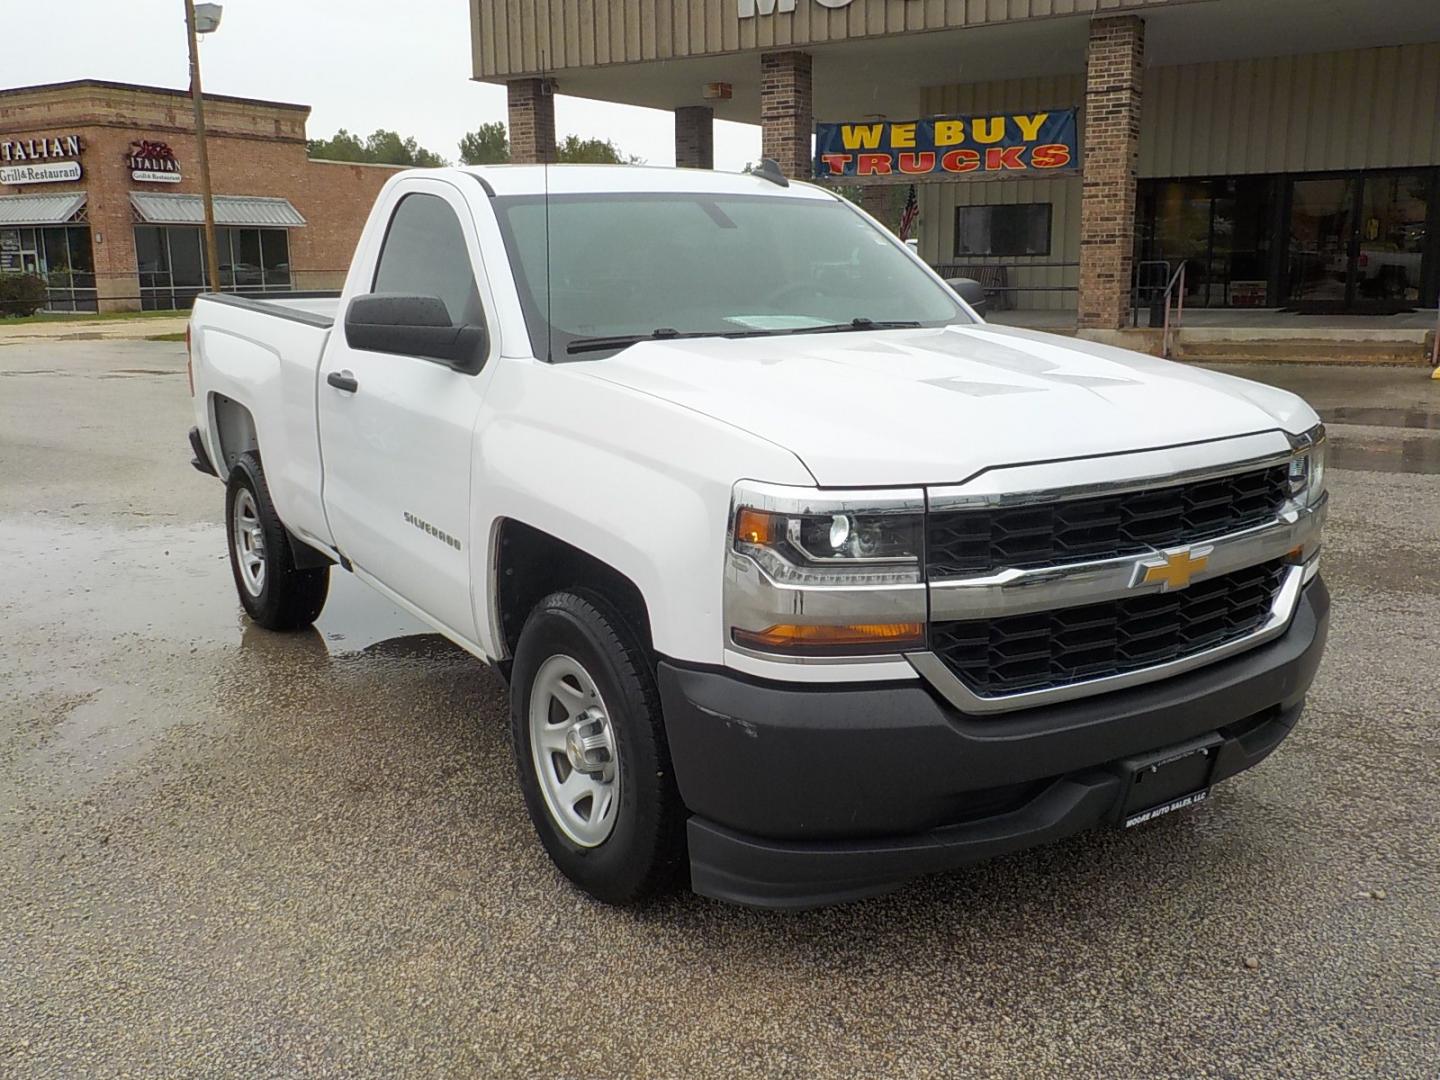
(273, 591)
(590, 749)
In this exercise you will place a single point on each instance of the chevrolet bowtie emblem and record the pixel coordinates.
(1172, 570)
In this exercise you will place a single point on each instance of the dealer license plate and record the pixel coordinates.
(1167, 780)
(1170, 807)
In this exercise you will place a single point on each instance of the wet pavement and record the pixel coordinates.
(1378, 420)
(225, 852)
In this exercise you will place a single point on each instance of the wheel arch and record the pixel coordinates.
(236, 435)
(235, 431)
(527, 564)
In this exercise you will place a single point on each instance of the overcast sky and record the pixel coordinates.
(360, 64)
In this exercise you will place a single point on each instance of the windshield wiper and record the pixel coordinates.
(861, 323)
(620, 341)
(666, 333)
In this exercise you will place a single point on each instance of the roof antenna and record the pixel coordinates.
(770, 170)
(548, 151)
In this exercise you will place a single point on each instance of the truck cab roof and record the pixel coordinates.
(590, 179)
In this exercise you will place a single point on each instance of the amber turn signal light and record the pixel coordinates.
(851, 639)
(757, 527)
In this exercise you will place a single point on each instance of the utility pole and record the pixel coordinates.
(212, 253)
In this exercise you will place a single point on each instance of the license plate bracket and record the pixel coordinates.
(1167, 780)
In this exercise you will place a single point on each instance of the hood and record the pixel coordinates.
(937, 406)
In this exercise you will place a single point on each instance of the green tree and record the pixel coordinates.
(486, 145)
(574, 150)
(381, 147)
(388, 148)
(342, 146)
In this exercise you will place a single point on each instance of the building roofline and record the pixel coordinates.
(358, 164)
(165, 91)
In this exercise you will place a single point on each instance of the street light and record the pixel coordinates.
(203, 19)
(207, 18)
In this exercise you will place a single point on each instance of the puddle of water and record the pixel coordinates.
(1408, 456)
(1368, 416)
(357, 618)
(163, 582)
(113, 637)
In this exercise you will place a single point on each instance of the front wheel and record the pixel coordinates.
(590, 749)
(273, 591)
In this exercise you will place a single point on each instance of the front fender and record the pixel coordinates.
(634, 481)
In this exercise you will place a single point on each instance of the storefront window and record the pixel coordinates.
(275, 257)
(1360, 241)
(1240, 248)
(1393, 213)
(60, 254)
(1342, 241)
(1219, 228)
(171, 262)
(1013, 230)
(187, 266)
(245, 244)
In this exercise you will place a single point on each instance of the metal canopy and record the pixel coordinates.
(40, 209)
(263, 210)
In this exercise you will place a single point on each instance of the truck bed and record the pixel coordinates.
(264, 352)
(313, 308)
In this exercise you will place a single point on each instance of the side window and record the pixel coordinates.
(425, 255)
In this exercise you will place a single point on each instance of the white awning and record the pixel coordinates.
(264, 210)
(40, 209)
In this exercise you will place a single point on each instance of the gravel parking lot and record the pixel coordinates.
(225, 852)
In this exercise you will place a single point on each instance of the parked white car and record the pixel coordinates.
(804, 578)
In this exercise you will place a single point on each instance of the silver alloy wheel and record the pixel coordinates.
(572, 746)
(249, 539)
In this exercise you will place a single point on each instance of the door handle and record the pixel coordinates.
(342, 380)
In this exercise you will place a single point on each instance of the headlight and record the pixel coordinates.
(825, 574)
(1307, 467)
(1307, 489)
(846, 547)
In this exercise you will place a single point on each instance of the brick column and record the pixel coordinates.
(878, 200)
(786, 118)
(695, 137)
(1114, 64)
(532, 121)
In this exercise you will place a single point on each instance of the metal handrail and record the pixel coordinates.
(1178, 276)
(1145, 283)
(1435, 346)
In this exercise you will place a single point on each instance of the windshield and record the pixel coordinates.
(631, 266)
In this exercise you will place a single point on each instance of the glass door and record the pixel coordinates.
(1358, 243)
(1322, 215)
(1391, 246)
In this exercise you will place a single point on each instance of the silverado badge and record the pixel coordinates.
(1172, 569)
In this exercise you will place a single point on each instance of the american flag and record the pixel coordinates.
(909, 214)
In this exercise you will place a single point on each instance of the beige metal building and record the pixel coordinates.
(1285, 152)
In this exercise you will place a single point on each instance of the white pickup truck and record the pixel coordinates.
(805, 579)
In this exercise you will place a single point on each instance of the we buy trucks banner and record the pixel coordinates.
(951, 147)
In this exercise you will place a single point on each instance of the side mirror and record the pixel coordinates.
(972, 292)
(413, 326)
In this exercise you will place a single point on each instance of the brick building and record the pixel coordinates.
(100, 192)
(1285, 153)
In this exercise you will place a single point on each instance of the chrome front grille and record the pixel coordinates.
(1040, 593)
(1045, 650)
(981, 540)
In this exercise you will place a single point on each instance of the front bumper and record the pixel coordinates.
(811, 795)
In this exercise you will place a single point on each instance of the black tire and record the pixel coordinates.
(288, 598)
(645, 848)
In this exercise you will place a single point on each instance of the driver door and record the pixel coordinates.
(397, 431)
